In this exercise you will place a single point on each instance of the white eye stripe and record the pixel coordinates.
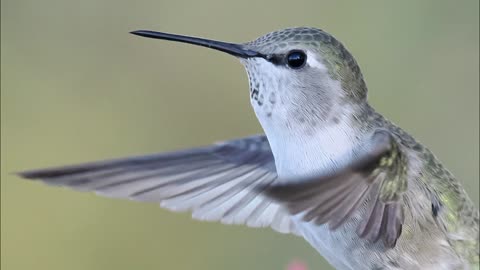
(313, 62)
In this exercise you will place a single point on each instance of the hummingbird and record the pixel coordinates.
(328, 168)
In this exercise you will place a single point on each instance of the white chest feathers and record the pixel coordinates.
(300, 155)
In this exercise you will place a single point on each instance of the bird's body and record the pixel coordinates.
(329, 168)
(445, 240)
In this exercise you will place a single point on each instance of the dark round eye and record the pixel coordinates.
(296, 59)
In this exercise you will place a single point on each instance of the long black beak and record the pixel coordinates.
(230, 48)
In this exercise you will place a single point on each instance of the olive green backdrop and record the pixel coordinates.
(76, 87)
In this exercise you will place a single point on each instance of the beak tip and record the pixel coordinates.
(138, 32)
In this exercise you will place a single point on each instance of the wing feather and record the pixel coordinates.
(217, 183)
(377, 176)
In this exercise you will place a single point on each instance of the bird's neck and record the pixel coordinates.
(311, 148)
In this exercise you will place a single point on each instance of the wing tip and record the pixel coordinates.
(53, 172)
(29, 175)
(40, 174)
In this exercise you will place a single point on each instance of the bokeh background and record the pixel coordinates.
(77, 87)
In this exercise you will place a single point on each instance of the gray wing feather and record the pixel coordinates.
(220, 182)
(377, 176)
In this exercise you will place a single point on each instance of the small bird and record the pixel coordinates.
(364, 193)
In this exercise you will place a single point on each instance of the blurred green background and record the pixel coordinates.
(77, 87)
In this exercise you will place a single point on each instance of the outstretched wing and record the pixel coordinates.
(217, 183)
(378, 175)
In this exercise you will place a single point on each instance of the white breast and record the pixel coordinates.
(300, 155)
